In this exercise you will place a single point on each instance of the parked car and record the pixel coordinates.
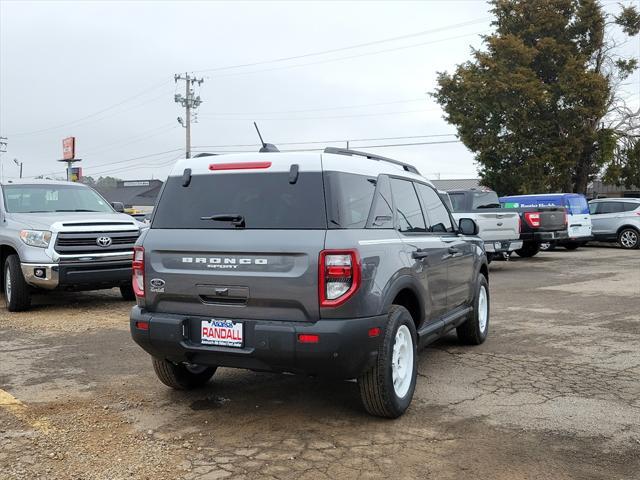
(578, 218)
(340, 264)
(616, 220)
(62, 236)
(499, 228)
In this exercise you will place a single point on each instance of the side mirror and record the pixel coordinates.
(467, 226)
(118, 206)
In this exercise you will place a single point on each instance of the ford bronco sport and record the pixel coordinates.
(340, 263)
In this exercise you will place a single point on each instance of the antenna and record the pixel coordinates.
(266, 147)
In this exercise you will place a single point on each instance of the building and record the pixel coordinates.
(599, 189)
(137, 194)
(457, 184)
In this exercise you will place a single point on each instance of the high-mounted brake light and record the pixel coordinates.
(532, 218)
(138, 271)
(338, 276)
(239, 166)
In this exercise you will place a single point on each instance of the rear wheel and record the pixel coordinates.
(182, 376)
(17, 293)
(629, 238)
(475, 330)
(386, 389)
(571, 245)
(529, 249)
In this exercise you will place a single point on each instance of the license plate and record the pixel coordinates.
(224, 333)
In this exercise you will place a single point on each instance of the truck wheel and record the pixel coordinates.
(629, 238)
(17, 293)
(387, 388)
(571, 245)
(475, 330)
(529, 249)
(127, 292)
(182, 376)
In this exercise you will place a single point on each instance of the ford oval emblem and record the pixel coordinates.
(157, 282)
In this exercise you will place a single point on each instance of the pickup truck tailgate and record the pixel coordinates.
(498, 225)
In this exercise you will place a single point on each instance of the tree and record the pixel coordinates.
(540, 107)
(102, 182)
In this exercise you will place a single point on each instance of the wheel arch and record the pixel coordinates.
(5, 251)
(405, 291)
(626, 226)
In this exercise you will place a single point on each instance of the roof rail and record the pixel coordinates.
(371, 156)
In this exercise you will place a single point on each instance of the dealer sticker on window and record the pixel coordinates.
(223, 333)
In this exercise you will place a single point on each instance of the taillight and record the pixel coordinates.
(339, 276)
(138, 271)
(532, 218)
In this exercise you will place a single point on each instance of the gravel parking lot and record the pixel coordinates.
(553, 393)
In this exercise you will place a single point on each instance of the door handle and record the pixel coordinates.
(419, 254)
(453, 250)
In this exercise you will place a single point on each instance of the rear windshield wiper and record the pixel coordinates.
(236, 219)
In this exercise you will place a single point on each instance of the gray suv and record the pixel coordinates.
(340, 264)
(616, 220)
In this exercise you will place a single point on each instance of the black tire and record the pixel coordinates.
(629, 238)
(181, 376)
(472, 332)
(127, 292)
(571, 245)
(377, 391)
(529, 249)
(17, 294)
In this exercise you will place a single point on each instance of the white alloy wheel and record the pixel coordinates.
(629, 239)
(402, 361)
(483, 309)
(7, 284)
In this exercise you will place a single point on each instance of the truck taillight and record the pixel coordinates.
(138, 271)
(339, 276)
(532, 218)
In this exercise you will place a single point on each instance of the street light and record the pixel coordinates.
(15, 160)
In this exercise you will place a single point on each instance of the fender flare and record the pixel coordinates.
(400, 283)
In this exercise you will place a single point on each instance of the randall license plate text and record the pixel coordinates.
(221, 332)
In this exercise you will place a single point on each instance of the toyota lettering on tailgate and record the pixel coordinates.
(223, 262)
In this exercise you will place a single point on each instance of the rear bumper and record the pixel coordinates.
(544, 236)
(502, 246)
(344, 349)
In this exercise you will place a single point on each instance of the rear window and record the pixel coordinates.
(485, 200)
(263, 200)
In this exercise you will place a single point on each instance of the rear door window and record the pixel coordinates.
(349, 199)
(409, 217)
(263, 200)
(436, 213)
(630, 207)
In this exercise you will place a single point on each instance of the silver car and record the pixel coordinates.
(616, 220)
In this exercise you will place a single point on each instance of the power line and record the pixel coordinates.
(350, 57)
(130, 140)
(373, 114)
(344, 107)
(332, 141)
(349, 47)
(66, 124)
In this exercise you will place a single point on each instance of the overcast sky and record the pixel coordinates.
(103, 72)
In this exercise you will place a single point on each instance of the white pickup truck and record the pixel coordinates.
(498, 227)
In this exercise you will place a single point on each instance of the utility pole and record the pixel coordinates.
(189, 102)
(3, 149)
(15, 160)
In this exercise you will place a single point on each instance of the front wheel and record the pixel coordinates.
(387, 388)
(182, 376)
(629, 238)
(17, 293)
(475, 330)
(529, 249)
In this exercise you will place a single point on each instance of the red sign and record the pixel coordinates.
(69, 148)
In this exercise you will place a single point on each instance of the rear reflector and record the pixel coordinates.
(308, 338)
(239, 166)
(374, 331)
(142, 325)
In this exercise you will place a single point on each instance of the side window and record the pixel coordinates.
(382, 210)
(408, 212)
(630, 207)
(349, 198)
(457, 201)
(439, 220)
(593, 208)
